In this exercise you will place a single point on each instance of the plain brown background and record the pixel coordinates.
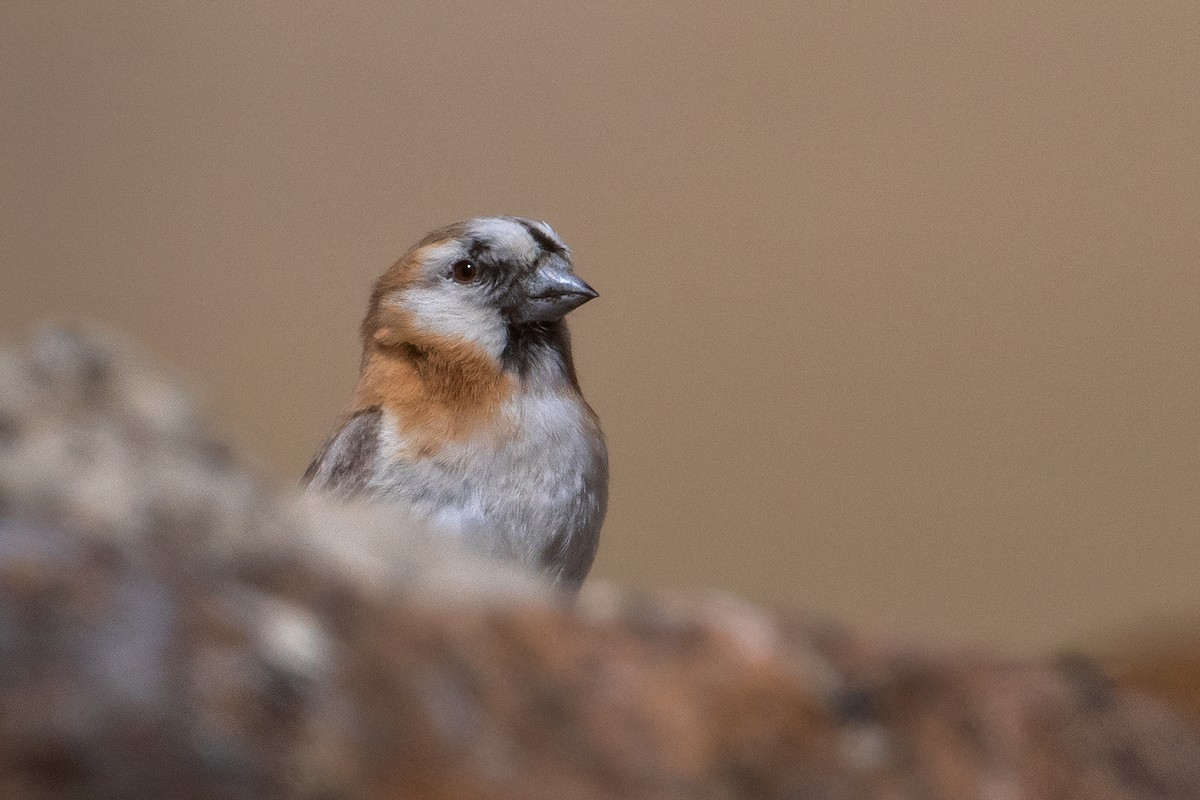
(900, 301)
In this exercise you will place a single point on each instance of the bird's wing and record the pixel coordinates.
(346, 463)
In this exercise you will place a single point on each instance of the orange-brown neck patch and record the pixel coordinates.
(439, 390)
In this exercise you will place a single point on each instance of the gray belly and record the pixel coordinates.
(537, 499)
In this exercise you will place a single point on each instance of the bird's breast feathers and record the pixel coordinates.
(529, 481)
(537, 463)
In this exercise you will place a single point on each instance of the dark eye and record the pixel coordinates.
(465, 271)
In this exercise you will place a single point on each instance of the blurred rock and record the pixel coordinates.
(1160, 658)
(173, 625)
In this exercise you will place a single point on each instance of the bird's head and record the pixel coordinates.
(480, 283)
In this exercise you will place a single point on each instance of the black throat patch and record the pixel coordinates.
(539, 350)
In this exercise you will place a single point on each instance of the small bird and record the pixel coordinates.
(468, 408)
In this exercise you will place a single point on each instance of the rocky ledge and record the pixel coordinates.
(174, 625)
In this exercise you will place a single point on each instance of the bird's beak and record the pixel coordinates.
(551, 292)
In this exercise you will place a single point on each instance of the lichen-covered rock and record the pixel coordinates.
(172, 625)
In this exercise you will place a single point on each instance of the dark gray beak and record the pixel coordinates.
(551, 292)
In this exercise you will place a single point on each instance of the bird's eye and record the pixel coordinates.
(465, 271)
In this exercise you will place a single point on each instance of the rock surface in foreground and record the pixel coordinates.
(172, 625)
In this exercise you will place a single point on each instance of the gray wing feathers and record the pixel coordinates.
(347, 462)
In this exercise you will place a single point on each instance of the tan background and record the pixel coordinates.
(900, 301)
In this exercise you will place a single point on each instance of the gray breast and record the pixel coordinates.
(536, 496)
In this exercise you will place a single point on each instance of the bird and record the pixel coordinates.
(468, 409)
